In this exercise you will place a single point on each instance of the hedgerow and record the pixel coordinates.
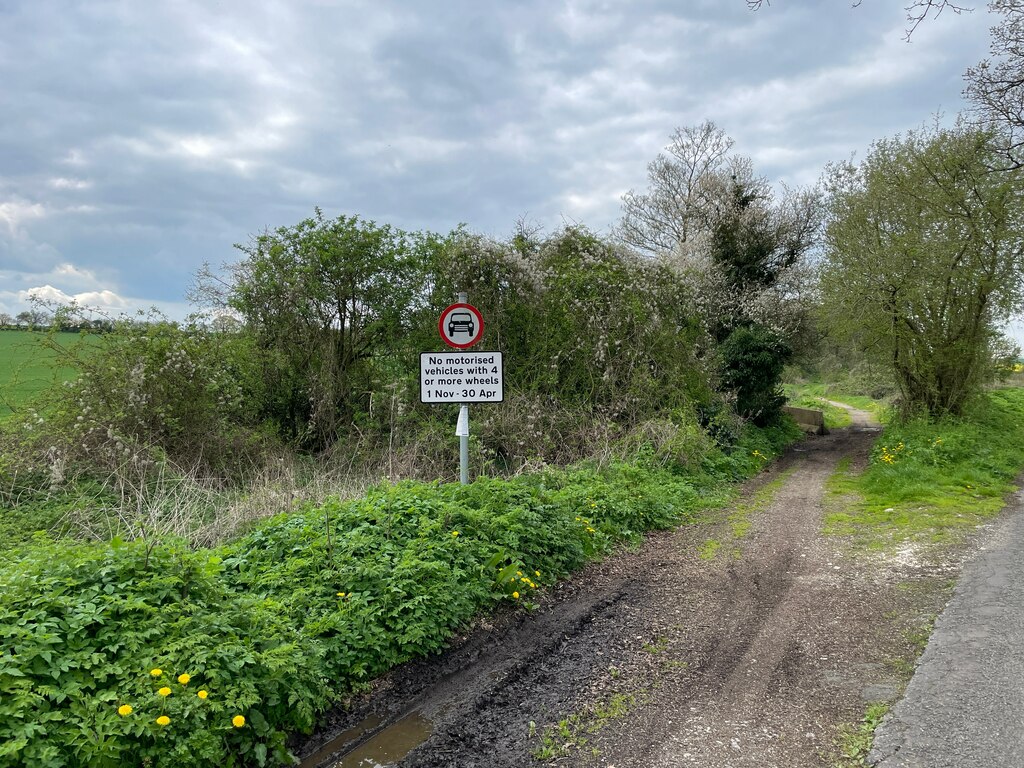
(105, 648)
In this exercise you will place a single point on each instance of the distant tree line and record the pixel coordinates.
(39, 318)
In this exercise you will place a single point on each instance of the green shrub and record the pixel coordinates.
(81, 629)
(149, 392)
(753, 359)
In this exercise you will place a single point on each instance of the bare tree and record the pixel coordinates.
(36, 317)
(741, 245)
(996, 85)
(702, 198)
(684, 186)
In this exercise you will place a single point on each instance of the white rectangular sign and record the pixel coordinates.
(461, 377)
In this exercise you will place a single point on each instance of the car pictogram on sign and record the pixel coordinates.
(461, 326)
(461, 322)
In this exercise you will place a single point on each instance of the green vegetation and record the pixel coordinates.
(572, 733)
(835, 417)
(864, 403)
(304, 609)
(659, 646)
(144, 647)
(738, 518)
(923, 262)
(855, 741)
(36, 511)
(931, 481)
(558, 306)
(816, 395)
(741, 245)
(709, 549)
(198, 626)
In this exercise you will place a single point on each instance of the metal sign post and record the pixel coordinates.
(462, 428)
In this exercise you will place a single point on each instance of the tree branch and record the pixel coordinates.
(917, 11)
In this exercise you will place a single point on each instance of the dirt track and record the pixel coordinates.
(667, 656)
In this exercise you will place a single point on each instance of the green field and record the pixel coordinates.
(27, 367)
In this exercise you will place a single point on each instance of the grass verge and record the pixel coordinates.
(929, 481)
(854, 741)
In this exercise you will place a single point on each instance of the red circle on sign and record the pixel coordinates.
(459, 319)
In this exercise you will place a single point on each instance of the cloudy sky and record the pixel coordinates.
(141, 139)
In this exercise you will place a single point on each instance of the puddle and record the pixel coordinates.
(340, 741)
(385, 748)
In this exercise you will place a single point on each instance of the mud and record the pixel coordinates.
(662, 656)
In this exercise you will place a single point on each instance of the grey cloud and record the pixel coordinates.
(181, 128)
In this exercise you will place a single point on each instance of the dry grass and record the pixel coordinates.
(170, 502)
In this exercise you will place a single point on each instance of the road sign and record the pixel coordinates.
(461, 326)
(461, 377)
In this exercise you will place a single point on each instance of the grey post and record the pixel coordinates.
(464, 439)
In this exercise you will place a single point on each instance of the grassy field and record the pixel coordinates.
(27, 367)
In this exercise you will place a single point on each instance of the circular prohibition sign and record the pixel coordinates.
(461, 326)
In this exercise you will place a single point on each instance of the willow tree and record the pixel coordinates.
(923, 260)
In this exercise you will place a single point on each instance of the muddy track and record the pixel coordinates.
(661, 656)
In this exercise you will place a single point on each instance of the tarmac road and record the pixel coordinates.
(964, 706)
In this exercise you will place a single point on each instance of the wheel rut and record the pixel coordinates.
(742, 659)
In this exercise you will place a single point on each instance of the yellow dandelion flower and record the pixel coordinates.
(341, 594)
(124, 710)
(537, 574)
(519, 573)
(183, 679)
(238, 721)
(156, 672)
(163, 720)
(515, 595)
(165, 691)
(202, 695)
(455, 533)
